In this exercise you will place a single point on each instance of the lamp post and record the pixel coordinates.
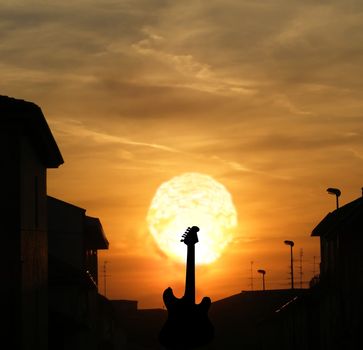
(291, 244)
(263, 272)
(336, 192)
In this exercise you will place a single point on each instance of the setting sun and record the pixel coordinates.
(192, 199)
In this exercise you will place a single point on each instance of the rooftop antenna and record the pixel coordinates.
(336, 192)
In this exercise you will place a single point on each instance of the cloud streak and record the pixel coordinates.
(197, 75)
(75, 128)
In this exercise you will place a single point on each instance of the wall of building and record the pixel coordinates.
(10, 231)
(24, 238)
(341, 283)
(66, 232)
(34, 247)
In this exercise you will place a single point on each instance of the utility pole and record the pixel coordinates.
(251, 275)
(263, 273)
(291, 244)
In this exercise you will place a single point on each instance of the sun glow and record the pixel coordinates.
(192, 199)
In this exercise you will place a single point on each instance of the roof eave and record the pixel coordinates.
(36, 127)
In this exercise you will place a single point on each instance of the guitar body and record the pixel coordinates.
(188, 325)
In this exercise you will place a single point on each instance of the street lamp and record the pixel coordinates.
(291, 244)
(263, 272)
(336, 192)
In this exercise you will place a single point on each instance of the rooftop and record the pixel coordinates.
(346, 216)
(31, 117)
(95, 235)
(61, 216)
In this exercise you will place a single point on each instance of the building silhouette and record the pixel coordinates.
(329, 315)
(139, 327)
(245, 320)
(340, 284)
(28, 149)
(50, 295)
(79, 317)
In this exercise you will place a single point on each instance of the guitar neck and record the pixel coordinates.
(190, 275)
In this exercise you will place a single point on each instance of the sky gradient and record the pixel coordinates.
(264, 96)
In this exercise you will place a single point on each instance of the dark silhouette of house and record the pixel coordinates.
(74, 237)
(341, 277)
(28, 149)
(240, 320)
(138, 328)
(75, 307)
(295, 325)
(49, 257)
(329, 315)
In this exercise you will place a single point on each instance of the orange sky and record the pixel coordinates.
(266, 97)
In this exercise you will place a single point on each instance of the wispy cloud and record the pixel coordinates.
(357, 154)
(238, 167)
(191, 72)
(77, 129)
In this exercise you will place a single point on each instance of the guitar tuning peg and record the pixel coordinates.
(182, 240)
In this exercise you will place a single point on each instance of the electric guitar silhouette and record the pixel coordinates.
(188, 325)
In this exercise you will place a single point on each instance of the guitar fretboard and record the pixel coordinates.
(190, 275)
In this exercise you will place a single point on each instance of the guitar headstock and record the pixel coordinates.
(190, 236)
